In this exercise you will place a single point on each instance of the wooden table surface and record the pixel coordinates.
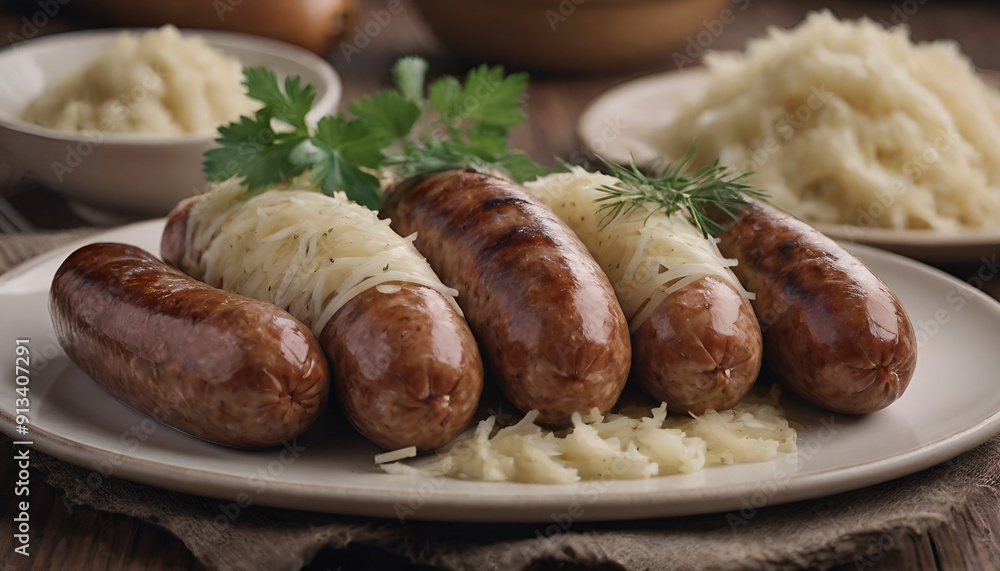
(67, 536)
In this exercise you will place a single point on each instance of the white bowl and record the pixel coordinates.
(126, 174)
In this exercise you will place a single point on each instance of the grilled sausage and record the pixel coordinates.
(173, 240)
(403, 362)
(700, 349)
(215, 365)
(697, 347)
(406, 367)
(834, 333)
(543, 311)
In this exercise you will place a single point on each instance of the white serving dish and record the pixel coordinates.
(129, 175)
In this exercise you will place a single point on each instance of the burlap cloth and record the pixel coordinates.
(953, 507)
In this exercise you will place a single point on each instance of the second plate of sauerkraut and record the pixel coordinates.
(845, 124)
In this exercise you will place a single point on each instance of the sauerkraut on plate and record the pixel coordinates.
(635, 443)
(300, 249)
(847, 122)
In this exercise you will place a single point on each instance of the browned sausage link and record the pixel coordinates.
(541, 308)
(173, 241)
(219, 366)
(834, 333)
(700, 349)
(405, 365)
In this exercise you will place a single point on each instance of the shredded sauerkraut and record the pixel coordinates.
(847, 122)
(646, 254)
(302, 250)
(158, 82)
(615, 446)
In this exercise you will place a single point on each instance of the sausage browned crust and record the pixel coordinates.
(543, 311)
(216, 365)
(834, 333)
(406, 367)
(403, 362)
(700, 349)
(173, 240)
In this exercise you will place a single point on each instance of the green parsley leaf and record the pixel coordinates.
(251, 149)
(387, 114)
(262, 154)
(445, 95)
(458, 125)
(345, 146)
(465, 124)
(337, 173)
(290, 105)
(491, 99)
(357, 141)
(520, 166)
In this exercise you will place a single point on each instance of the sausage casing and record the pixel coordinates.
(696, 344)
(543, 311)
(403, 361)
(406, 367)
(834, 333)
(700, 349)
(210, 363)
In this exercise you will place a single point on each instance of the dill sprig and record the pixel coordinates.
(673, 190)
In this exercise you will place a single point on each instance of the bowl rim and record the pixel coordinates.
(215, 38)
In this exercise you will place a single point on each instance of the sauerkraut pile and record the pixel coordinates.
(847, 122)
(633, 444)
(302, 250)
(159, 83)
(645, 253)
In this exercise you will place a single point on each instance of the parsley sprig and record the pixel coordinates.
(278, 144)
(673, 190)
(454, 125)
(466, 124)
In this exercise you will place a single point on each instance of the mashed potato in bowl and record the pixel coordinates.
(847, 122)
(158, 83)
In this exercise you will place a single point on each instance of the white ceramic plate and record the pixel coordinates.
(626, 121)
(951, 406)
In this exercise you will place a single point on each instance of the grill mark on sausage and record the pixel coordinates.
(501, 201)
(833, 331)
(526, 284)
(513, 238)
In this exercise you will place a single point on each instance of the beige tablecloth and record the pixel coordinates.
(953, 507)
